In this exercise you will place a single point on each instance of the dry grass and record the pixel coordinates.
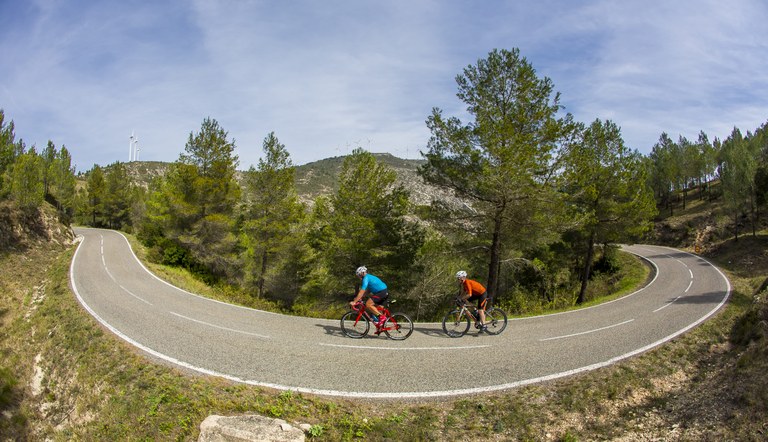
(63, 378)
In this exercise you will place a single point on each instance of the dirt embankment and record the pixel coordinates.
(22, 228)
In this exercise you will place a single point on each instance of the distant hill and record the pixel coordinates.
(319, 177)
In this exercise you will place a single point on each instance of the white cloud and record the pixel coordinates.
(328, 76)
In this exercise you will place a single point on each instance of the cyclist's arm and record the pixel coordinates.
(359, 296)
(464, 292)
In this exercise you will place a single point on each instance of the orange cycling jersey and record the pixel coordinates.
(472, 288)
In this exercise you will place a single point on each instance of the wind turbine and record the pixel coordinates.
(130, 147)
(133, 148)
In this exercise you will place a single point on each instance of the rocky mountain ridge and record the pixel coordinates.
(320, 177)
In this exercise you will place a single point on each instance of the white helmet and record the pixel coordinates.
(361, 271)
(461, 274)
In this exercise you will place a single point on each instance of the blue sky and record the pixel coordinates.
(329, 76)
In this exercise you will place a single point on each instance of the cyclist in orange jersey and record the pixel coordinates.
(472, 290)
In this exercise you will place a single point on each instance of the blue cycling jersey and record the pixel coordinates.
(373, 284)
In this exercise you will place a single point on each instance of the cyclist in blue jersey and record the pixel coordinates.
(376, 291)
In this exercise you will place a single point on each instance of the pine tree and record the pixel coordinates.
(365, 223)
(503, 160)
(271, 211)
(62, 183)
(10, 150)
(117, 196)
(96, 188)
(26, 180)
(607, 192)
(191, 212)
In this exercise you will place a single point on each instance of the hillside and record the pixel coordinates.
(319, 177)
(62, 377)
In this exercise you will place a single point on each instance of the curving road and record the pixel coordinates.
(312, 356)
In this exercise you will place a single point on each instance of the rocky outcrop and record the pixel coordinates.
(22, 228)
(248, 428)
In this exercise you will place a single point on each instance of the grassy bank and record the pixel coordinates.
(64, 378)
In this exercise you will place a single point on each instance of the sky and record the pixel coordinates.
(329, 76)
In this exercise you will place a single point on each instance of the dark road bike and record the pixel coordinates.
(357, 322)
(456, 322)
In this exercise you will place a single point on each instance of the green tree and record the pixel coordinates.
(690, 168)
(117, 196)
(663, 171)
(96, 188)
(48, 156)
(707, 162)
(737, 172)
(365, 223)
(271, 211)
(503, 160)
(760, 140)
(607, 190)
(62, 183)
(191, 213)
(10, 150)
(216, 190)
(26, 180)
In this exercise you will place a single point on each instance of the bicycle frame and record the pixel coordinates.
(495, 320)
(359, 307)
(471, 310)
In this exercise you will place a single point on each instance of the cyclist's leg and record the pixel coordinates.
(375, 300)
(371, 307)
(481, 303)
(477, 314)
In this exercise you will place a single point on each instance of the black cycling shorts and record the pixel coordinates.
(379, 297)
(481, 299)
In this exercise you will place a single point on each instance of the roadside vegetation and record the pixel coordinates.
(64, 378)
(521, 196)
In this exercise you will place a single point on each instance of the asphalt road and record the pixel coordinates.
(312, 356)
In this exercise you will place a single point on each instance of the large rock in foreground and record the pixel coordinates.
(247, 428)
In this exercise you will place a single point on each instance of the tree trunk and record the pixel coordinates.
(587, 268)
(755, 218)
(263, 271)
(493, 266)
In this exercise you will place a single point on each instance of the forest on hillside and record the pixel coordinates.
(544, 201)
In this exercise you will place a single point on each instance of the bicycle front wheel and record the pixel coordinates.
(495, 321)
(354, 328)
(398, 327)
(455, 323)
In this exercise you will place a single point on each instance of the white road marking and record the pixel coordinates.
(106, 269)
(586, 332)
(396, 395)
(370, 347)
(219, 327)
(666, 305)
(115, 280)
(136, 296)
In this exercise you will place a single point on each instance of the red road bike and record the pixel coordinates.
(357, 322)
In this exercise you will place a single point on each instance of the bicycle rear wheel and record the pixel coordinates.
(398, 327)
(353, 327)
(455, 323)
(495, 321)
